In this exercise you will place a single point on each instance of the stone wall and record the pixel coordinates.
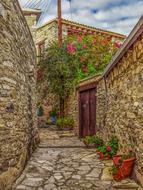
(120, 99)
(32, 16)
(18, 133)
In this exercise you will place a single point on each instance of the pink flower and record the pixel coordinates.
(79, 39)
(118, 44)
(70, 49)
(84, 46)
(94, 41)
(105, 42)
(108, 148)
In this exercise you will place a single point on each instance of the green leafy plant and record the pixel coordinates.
(91, 54)
(59, 123)
(93, 140)
(59, 71)
(114, 144)
(65, 123)
(114, 169)
(53, 113)
(97, 141)
(110, 148)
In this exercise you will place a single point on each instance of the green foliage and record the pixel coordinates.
(110, 148)
(93, 140)
(114, 169)
(78, 57)
(53, 113)
(60, 71)
(91, 54)
(97, 141)
(59, 123)
(114, 143)
(66, 122)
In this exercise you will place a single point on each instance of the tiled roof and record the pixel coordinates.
(64, 21)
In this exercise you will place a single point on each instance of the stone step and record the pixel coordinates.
(129, 186)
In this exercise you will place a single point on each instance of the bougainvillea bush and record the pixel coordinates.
(91, 54)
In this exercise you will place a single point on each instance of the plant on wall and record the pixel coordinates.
(91, 54)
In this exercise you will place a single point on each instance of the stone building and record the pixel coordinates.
(119, 99)
(18, 132)
(48, 32)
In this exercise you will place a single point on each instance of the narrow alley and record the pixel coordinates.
(62, 162)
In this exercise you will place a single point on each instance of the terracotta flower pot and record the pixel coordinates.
(125, 169)
(101, 155)
(117, 176)
(127, 166)
(116, 159)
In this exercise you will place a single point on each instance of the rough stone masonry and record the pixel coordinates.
(120, 98)
(18, 134)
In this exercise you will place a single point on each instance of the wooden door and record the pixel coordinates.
(87, 112)
(92, 111)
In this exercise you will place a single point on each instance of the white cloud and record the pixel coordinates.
(132, 10)
(115, 15)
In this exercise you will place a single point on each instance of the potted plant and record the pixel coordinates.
(110, 149)
(116, 159)
(117, 176)
(68, 123)
(65, 123)
(125, 163)
(53, 116)
(59, 123)
(105, 151)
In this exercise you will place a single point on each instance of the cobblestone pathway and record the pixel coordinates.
(53, 166)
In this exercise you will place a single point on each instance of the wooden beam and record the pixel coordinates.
(59, 7)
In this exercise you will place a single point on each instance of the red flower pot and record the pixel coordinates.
(117, 176)
(127, 166)
(116, 159)
(101, 155)
(125, 169)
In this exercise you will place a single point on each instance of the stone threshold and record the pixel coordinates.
(42, 146)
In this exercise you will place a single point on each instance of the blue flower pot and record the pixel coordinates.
(53, 119)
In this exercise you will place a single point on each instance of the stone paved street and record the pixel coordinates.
(62, 163)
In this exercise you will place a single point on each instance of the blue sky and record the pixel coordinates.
(114, 15)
